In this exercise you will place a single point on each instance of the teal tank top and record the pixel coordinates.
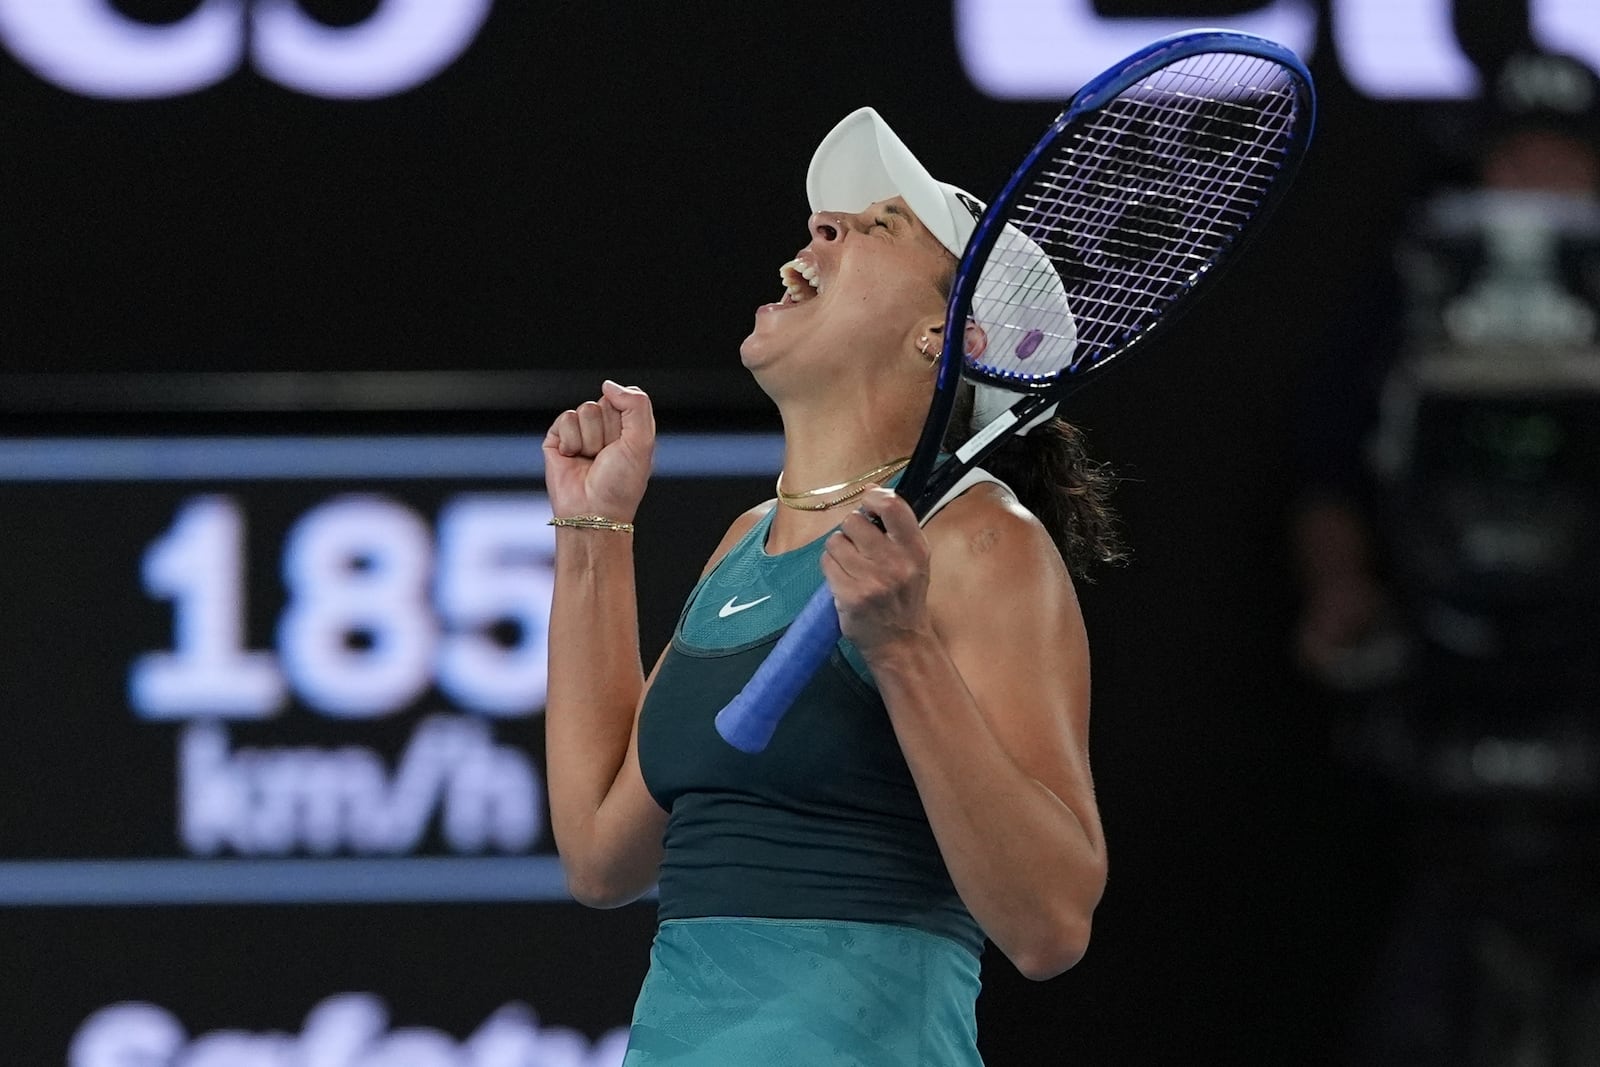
(826, 823)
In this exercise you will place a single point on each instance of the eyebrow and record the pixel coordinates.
(899, 213)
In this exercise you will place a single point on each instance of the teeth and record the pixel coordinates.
(800, 280)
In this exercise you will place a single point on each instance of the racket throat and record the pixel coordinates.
(980, 441)
(1022, 417)
(1047, 413)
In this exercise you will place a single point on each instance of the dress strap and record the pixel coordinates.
(975, 476)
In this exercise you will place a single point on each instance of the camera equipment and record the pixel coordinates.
(1488, 461)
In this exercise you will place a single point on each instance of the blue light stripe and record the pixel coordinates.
(168, 459)
(143, 882)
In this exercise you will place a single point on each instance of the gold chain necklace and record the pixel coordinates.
(855, 486)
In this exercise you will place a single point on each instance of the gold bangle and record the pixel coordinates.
(594, 522)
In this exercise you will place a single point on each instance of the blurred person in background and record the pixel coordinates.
(1445, 545)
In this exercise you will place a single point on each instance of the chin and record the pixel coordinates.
(750, 352)
(756, 351)
(763, 364)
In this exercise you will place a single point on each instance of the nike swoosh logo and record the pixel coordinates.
(730, 608)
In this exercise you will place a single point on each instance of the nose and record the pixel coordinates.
(828, 226)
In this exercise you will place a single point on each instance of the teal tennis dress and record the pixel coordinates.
(807, 916)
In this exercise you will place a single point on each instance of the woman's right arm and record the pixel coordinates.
(607, 826)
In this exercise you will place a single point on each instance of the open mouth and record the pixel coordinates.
(801, 281)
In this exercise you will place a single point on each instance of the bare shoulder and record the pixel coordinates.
(740, 526)
(986, 536)
(992, 563)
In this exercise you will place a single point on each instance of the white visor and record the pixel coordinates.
(861, 161)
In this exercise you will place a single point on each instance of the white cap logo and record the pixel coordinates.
(971, 205)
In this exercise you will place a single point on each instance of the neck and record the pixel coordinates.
(828, 443)
(833, 436)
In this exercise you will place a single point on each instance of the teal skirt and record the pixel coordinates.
(773, 992)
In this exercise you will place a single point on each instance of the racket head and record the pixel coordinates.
(1120, 214)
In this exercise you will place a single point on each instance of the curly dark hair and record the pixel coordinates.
(1054, 477)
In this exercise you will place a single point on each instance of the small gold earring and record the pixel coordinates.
(922, 346)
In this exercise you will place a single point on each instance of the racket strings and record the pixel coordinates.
(1205, 189)
(1132, 208)
(1160, 237)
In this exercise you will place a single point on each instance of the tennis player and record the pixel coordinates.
(827, 900)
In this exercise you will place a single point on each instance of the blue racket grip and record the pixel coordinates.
(750, 718)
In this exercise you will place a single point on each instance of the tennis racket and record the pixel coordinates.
(1117, 220)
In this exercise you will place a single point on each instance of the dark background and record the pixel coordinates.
(607, 189)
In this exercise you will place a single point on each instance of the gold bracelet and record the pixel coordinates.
(594, 522)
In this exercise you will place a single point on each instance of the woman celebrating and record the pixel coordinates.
(826, 900)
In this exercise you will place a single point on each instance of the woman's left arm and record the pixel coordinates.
(985, 672)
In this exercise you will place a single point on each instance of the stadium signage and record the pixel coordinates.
(381, 616)
(90, 48)
(1046, 49)
(348, 1030)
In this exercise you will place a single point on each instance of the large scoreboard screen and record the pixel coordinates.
(273, 785)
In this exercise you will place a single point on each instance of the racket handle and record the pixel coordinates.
(750, 718)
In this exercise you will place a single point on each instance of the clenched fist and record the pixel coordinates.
(597, 456)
